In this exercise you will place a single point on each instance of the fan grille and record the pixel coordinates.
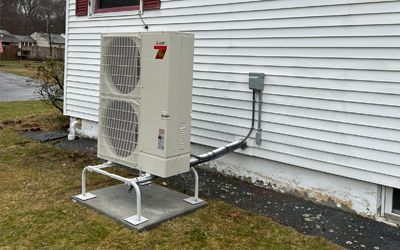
(121, 62)
(120, 126)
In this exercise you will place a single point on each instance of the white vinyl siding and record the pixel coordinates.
(332, 93)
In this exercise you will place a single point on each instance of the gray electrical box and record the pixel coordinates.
(256, 81)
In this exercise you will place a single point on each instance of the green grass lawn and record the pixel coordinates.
(37, 181)
(19, 67)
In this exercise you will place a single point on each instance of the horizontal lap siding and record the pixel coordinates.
(332, 70)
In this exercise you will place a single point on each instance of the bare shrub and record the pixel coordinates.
(49, 81)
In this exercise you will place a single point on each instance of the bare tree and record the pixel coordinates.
(8, 14)
(29, 16)
(49, 80)
(28, 10)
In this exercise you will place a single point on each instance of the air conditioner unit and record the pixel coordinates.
(146, 100)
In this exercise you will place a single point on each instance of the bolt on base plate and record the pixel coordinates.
(134, 220)
(85, 197)
(193, 200)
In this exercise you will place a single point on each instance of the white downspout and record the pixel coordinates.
(72, 129)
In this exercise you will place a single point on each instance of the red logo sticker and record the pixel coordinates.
(162, 49)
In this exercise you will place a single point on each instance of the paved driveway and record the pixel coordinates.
(13, 87)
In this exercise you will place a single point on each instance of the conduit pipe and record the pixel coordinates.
(229, 148)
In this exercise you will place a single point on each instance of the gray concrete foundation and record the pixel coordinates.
(159, 204)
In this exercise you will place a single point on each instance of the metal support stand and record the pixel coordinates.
(195, 200)
(143, 179)
(136, 219)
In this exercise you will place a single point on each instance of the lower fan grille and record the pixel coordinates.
(119, 126)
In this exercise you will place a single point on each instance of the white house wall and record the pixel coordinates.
(332, 83)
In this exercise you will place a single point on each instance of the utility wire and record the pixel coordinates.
(146, 27)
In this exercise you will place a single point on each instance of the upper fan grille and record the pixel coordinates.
(119, 125)
(121, 62)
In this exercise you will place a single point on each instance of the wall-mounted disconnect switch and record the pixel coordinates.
(256, 81)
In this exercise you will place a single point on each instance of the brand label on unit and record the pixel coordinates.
(161, 48)
(161, 138)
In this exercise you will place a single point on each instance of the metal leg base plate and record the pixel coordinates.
(193, 200)
(134, 220)
(85, 197)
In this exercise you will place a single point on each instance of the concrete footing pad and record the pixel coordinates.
(159, 204)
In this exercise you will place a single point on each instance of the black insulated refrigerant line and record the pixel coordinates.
(229, 148)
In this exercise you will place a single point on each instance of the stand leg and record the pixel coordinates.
(195, 200)
(138, 218)
(85, 196)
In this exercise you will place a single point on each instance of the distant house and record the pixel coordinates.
(25, 45)
(10, 43)
(8, 38)
(42, 40)
(25, 41)
(42, 49)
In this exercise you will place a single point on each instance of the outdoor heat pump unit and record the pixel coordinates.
(146, 100)
(144, 122)
(144, 116)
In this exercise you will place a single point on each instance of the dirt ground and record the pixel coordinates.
(348, 230)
